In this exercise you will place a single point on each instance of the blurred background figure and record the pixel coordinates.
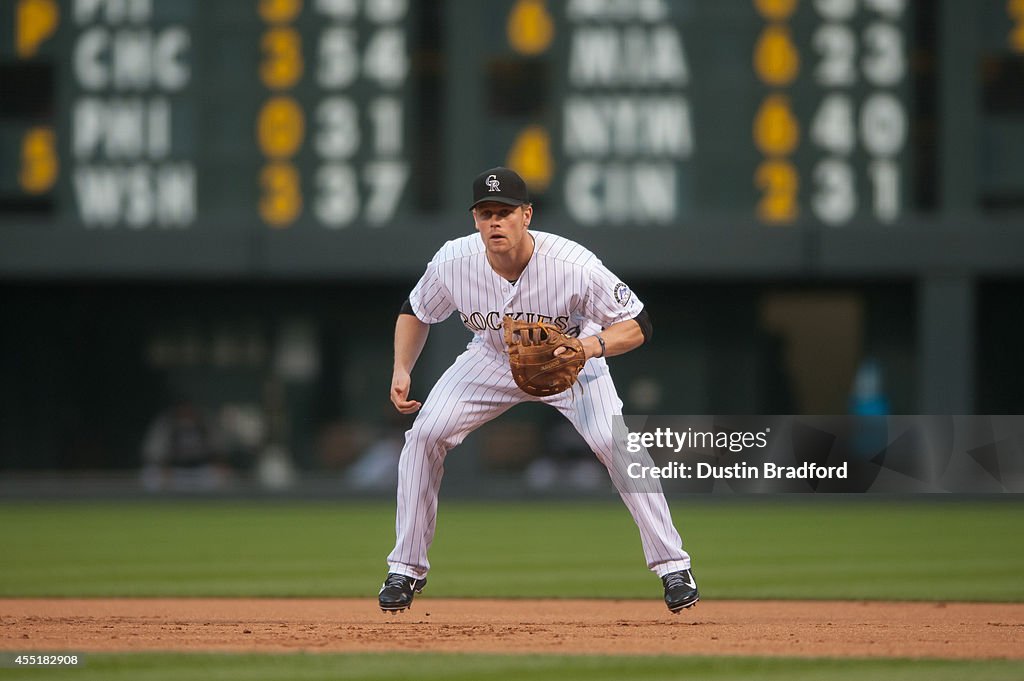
(867, 398)
(869, 402)
(565, 462)
(184, 451)
(376, 469)
(375, 447)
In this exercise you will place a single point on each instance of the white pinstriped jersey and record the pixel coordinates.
(564, 283)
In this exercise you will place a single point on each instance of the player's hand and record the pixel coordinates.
(400, 383)
(587, 352)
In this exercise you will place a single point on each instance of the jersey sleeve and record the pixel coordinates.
(609, 300)
(430, 299)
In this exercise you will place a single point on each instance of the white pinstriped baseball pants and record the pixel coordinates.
(477, 388)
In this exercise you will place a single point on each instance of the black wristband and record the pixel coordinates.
(603, 348)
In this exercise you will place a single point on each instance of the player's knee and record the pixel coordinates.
(428, 438)
(606, 449)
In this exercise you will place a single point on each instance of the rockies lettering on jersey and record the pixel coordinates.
(480, 321)
(564, 284)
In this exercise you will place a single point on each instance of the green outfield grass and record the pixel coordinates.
(212, 667)
(817, 548)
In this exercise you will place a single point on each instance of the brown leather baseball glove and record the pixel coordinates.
(536, 368)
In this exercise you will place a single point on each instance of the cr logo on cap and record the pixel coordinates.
(492, 182)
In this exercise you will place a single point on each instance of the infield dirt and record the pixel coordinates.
(776, 628)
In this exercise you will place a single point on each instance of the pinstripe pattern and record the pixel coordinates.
(562, 280)
(591, 413)
(564, 283)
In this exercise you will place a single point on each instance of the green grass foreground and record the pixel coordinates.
(215, 667)
(819, 548)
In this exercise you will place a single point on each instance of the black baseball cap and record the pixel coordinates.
(501, 185)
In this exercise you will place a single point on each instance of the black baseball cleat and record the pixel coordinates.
(680, 590)
(397, 592)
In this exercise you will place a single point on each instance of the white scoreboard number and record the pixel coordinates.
(347, 189)
(843, 122)
(356, 115)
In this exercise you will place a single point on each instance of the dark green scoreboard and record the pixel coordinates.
(338, 137)
(661, 113)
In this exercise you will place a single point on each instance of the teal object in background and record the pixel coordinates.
(868, 398)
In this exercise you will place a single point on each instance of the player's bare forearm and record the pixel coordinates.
(410, 336)
(618, 338)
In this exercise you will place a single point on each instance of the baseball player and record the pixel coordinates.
(507, 269)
